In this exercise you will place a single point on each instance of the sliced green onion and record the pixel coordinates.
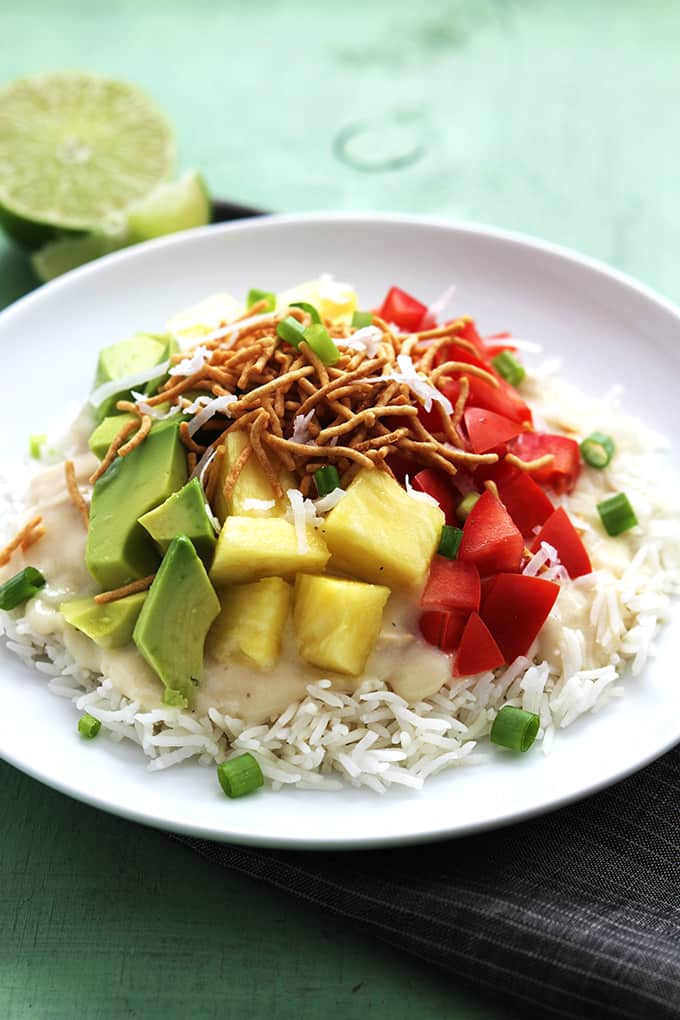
(597, 449)
(35, 445)
(291, 331)
(319, 339)
(306, 307)
(239, 776)
(449, 542)
(20, 588)
(88, 726)
(465, 506)
(255, 295)
(616, 514)
(514, 728)
(507, 365)
(362, 319)
(327, 479)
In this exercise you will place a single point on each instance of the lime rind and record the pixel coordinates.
(75, 147)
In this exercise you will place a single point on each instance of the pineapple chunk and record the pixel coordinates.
(335, 301)
(208, 315)
(252, 483)
(381, 534)
(337, 622)
(250, 625)
(253, 547)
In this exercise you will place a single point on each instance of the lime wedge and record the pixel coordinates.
(75, 147)
(59, 256)
(178, 205)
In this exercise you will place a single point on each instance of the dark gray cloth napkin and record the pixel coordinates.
(576, 914)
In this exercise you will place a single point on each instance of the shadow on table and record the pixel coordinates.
(16, 276)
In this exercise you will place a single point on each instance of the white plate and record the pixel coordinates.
(607, 328)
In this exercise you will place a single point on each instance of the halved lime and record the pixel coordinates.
(75, 147)
(177, 205)
(169, 207)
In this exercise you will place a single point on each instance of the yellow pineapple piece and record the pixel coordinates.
(249, 548)
(381, 534)
(250, 624)
(252, 484)
(337, 622)
(208, 315)
(334, 300)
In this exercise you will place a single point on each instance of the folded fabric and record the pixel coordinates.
(575, 914)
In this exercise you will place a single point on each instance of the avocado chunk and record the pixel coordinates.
(107, 430)
(118, 549)
(172, 626)
(183, 513)
(109, 625)
(141, 351)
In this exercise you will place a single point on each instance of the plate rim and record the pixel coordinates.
(264, 222)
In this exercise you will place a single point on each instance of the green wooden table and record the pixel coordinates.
(559, 119)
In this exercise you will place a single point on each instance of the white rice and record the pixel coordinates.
(373, 738)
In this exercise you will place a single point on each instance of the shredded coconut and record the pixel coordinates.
(365, 339)
(110, 389)
(301, 428)
(203, 409)
(193, 363)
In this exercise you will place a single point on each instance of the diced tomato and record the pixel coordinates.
(491, 540)
(477, 650)
(402, 310)
(515, 609)
(443, 630)
(559, 532)
(503, 399)
(525, 501)
(435, 483)
(451, 585)
(562, 474)
(497, 343)
(468, 331)
(488, 430)
(487, 585)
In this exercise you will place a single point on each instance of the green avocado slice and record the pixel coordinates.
(126, 358)
(118, 549)
(172, 626)
(183, 513)
(109, 625)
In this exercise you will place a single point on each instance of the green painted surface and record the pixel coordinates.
(554, 118)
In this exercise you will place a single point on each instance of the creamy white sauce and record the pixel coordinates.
(400, 657)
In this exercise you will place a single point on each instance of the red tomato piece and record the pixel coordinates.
(559, 532)
(497, 343)
(488, 430)
(477, 651)
(515, 609)
(491, 540)
(443, 630)
(468, 331)
(451, 585)
(502, 399)
(562, 474)
(402, 310)
(435, 484)
(525, 501)
(487, 585)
